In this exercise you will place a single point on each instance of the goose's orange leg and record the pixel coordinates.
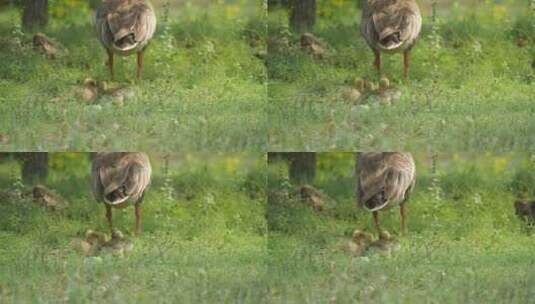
(109, 217)
(406, 64)
(378, 64)
(402, 213)
(110, 63)
(139, 64)
(138, 218)
(376, 221)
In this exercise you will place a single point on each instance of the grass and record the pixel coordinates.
(202, 89)
(465, 244)
(204, 237)
(470, 87)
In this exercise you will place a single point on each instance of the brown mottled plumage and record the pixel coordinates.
(124, 27)
(525, 210)
(391, 26)
(384, 180)
(119, 179)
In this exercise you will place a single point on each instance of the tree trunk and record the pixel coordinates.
(272, 4)
(277, 156)
(34, 167)
(93, 4)
(91, 156)
(302, 167)
(302, 15)
(35, 14)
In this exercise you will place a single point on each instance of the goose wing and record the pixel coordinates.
(146, 24)
(400, 177)
(96, 183)
(370, 176)
(138, 176)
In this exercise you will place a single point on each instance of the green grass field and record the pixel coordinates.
(204, 237)
(464, 242)
(203, 87)
(470, 87)
(209, 236)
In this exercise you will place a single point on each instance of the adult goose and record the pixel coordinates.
(120, 179)
(125, 27)
(384, 180)
(391, 26)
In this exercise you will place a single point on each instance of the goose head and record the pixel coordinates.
(126, 43)
(89, 82)
(361, 237)
(94, 238)
(391, 41)
(369, 86)
(384, 83)
(385, 235)
(359, 84)
(117, 235)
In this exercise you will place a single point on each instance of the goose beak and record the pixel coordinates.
(117, 202)
(125, 49)
(391, 46)
(376, 208)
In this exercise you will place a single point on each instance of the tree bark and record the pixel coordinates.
(91, 156)
(302, 15)
(34, 167)
(35, 14)
(277, 156)
(302, 167)
(93, 4)
(272, 4)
